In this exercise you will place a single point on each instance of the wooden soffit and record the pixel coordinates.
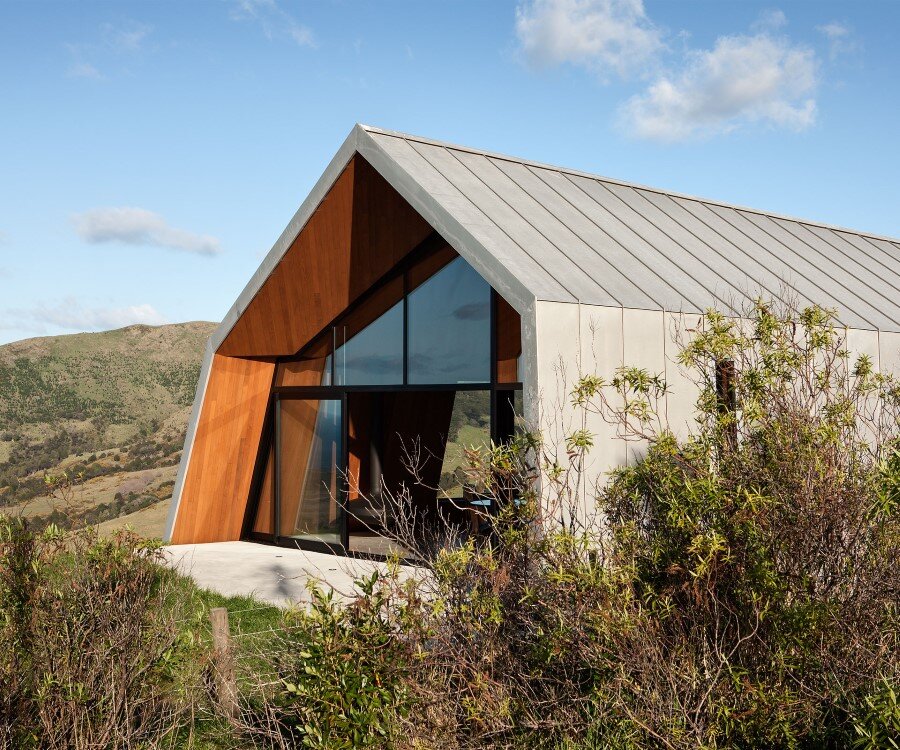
(360, 230)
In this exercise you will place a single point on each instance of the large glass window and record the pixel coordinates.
(374, 356)
(310, 457)
(448, 331)
(406, 370)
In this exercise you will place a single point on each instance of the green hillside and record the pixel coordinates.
(110, 406)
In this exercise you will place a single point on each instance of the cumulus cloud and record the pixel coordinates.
(71, 315)
(273, 20)
(771, 20)
(761, 77)
(743, 79)
(138, 226)
(605, 36)
(833, 30)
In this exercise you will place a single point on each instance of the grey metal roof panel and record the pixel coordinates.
(526, 244)
(629, 262)
(751, 275)
(571, 236)
(873, 255)
(510, 269)
(694, 274)
(818, 272)
(581, 234)
(674, 226)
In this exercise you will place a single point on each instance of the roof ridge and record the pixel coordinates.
(624, 183)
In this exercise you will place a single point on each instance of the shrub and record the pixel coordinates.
(93, 652)
(762, 548)
(737, 588)
(340, 675)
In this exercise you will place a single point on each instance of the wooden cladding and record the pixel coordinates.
(224, 452)
(361, 230)
(264, 523)
(509, 341)
(300, 372)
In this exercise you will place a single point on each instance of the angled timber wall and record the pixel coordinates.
(357, 234)
(224, 452)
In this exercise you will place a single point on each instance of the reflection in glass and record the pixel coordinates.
(374, 356)
(311, 451)
(449, 327)
(470, 427)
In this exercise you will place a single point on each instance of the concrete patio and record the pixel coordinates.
(275, 575)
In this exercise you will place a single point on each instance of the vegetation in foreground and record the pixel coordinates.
(737, 590)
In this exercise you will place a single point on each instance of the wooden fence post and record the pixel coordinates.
(223, 661)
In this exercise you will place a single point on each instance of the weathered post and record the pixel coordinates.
(223, 662)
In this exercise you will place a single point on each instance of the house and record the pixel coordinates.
(425, 293)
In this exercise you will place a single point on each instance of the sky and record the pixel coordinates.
(151, 153)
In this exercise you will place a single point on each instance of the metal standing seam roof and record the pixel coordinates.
(539, 232)
(568, 236)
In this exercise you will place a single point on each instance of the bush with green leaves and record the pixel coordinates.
(94, 649)
(764, 546)
(341, 674)
(736, 588)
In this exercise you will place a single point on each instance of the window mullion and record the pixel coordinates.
(405, 328)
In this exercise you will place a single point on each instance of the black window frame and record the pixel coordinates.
(499, 429)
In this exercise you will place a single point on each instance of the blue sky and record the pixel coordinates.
(152, 152)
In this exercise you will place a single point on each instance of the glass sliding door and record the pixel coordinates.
(310, 457)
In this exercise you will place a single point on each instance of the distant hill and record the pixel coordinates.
(111, 407)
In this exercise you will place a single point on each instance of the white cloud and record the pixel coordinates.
(771, 20)
(71, 315)
(115, 41)
(138, 226)
(743, 79)
(128, 37)
(273, 20)
(605, 36)
(840, 39)
(84, 70)
(834, 30)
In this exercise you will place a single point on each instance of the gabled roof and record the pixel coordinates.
(538, 232)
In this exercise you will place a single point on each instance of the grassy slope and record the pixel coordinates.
(113, 405)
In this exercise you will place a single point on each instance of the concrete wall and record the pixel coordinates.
(564, 341)
(572, 340)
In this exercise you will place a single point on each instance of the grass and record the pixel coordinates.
(251, 624)
(249, 619)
